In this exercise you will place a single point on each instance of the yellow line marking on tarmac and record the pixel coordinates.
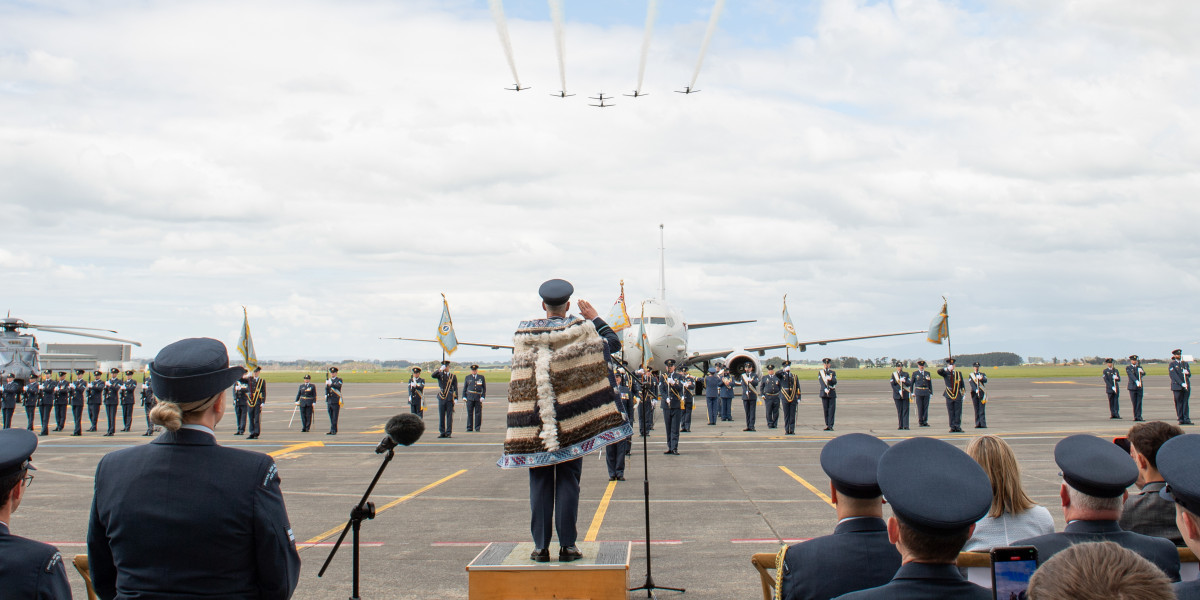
(808, 485)
(405, 498)
(295, 447)
(594, 530)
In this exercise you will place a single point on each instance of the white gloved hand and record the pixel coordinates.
(1139, 384)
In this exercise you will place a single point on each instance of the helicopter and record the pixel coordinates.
(19, 352)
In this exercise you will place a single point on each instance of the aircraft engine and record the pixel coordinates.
(737, 361)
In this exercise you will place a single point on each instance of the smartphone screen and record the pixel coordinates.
(1011, 570)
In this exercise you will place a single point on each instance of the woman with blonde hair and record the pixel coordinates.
(1013, 516)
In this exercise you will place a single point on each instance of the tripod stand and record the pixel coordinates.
(649, 585)
(362, 510)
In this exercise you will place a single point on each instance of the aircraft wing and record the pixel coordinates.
(717, 324)
(830, 341)
(492, 346)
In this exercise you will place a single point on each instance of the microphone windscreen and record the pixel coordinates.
(405, 429)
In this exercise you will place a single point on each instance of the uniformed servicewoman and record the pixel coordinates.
(45, 401)
(333, 399)
(953, 394)
(78, 389)
(62, 397)
(789, 389)
(95, 395)
(750, 381)
(689, 399)
(112, 393)
(306, 398)
(615, 454)
(416, 393)
(1179, 462)
(148, 403)
(28, 569)
(712, 391)
(922, 390)
(128, 391)
(828, 380)
(771, 391)
(1112, 380)
(935, 510)
(9, 392)
(901, 395)
(258, 397)
(1181, 386)
(241, 403)
(474, 392)
(446, 397)
(726, 393)
(858, 555)
(1135, 373)
(183, 516)
(30, 396)
(1095, 475)
(671, 392)
(979, 396)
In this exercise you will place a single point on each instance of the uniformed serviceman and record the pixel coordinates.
(828, 379)
(935, 510)
(28, 569)
(333, 399)
(258, 397)
(447, 395)
(750, 381)
(979, 396)
(95, 395)
(615, 454)
(112, 398)
(858, 555)
(712, 397)
(78, 389)
(650, 396)
(671, 392)
(789, 388)
(474, 392)
(1095, 475)
(689, 398)
(922, 390)
(1112, 380)
(9, 392)
(1181, 381)
(1135, 373)
(1179, 463)
(416, 393)
(128, 390)
(641, 400)
(306, 398)
(771, 391)
(45, 401)
(953, 394)
(241, 403)
(901, 395)
(148, 403)
(726, 393)
(30, 396)
(62, 398)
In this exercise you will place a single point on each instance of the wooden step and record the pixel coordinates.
(503, 571)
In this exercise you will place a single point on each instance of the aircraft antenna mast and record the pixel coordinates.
(662, 265)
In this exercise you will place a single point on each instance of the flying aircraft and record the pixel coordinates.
(637, 94)
(516, 88)
(601, 98)
(562, 94)
(19, 352)
(687, 89)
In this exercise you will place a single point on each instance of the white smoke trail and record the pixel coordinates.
(712, 27)
(651, 14)
(502, 28)
(556, 12)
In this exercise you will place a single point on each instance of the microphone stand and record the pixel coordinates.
(649, 585)
(362, 510)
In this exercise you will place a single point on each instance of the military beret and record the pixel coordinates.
(934, 487)
(333, 369)
(826, 360)
(1179, 462)
(16, 449)
(1094, 466)
(192, 369)
(556, 291)
(851, 461)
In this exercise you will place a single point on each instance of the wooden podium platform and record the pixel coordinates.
(503, 571)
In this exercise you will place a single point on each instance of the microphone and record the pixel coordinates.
(402, 430)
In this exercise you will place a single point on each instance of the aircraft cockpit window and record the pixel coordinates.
(669, 321)
(653, 321)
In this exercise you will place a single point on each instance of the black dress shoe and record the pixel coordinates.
(540, 555)
(1186, 423)
(828, 429)
(569, 553)
(667, 452)
(92, 429)
(144, 434)
(620, 478)
(924, 425)
(790, 433)
(252, 437)
(237, 433)
(1140, 420)
(108, 434)
(675, 452)
(330, 433)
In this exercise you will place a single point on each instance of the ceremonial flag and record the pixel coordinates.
(789, 331)
(445, 334)
(939, 328)
(618, 317)
(643, 342)
(246, 344)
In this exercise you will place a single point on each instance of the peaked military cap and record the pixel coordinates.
(129, 372)
(416, 369)
(1108, 360)
(670, 362)
(333, 369)
(1094, 466)
(1133, 357)
(826, 360)
(9, 375)
(851, 461)
(711, 370)
(114, 370)
(63, 373)
(556, 291)
(16, 449)
(921, 362)
(192, 369)
(79, 371)
(1179, 462)
(307, 376)
(474, 367)
(950, 361)
(770, 367)
(97, 373)
(975, 364)
(787, 363)
(1176, 352)
(934, 487)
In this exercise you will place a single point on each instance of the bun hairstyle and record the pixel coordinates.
(170, 415)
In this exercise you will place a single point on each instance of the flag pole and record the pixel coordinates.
(949, 352)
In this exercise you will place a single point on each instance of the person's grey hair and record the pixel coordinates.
(1099, 571)
(557, 308)
(1094, 503)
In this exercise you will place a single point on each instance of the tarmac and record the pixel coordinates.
(728, 495)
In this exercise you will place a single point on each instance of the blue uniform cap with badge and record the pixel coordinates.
(1094, 466)
(192, 369)
(556, 292)
(851, 461)
(934, 487)
(16, 450)
(1179, 463)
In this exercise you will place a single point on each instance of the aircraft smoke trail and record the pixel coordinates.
(712, 27)
(502, 28)
(556, 12)
(651, 14)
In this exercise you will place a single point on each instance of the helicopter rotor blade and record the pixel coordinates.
(91, 335)
(32, 326)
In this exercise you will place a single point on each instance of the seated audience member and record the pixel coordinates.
(28, 569)
(1013, 515)
(1179, 463)
(182, 517)
(1148, 513)
(937, 493)
(1099, 571)
(858, 554)
(1095, 474)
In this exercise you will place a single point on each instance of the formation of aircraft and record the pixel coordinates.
(601, 98)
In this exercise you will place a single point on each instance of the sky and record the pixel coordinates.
(335, 167)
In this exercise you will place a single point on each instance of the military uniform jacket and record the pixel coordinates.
(9, 392)
(1111, 378)
(1159, 551)
(232, 540)
(789, 386)
(977, 380)
(95, 392)
(332, 396)
(1135, 375)
(726, 387)
(624, 399)
(689, 388)
(447, 385)
(474, 387)
(46, 393)
(62, 392)
(128, 387)
(30, 569)
(416, 388)
(1180, 375)
(307, 394)
(900, 385)
(148, 395)
(256, 391)
(241, 393)
(671, 391)
(33, 392)
(770, 386)
(922, 383)
(954, 384)
(712, 386)
(749, 386)
(857, 556)
(827, 378)
(920, 581)
(78, 389)
(112, 388)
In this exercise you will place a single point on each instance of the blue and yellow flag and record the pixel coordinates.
(618, 317)
(789, 331)
(445, 334)
(246, 343)
(939, 328)
(643, 342)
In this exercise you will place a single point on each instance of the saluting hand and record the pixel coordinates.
(587, 311)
